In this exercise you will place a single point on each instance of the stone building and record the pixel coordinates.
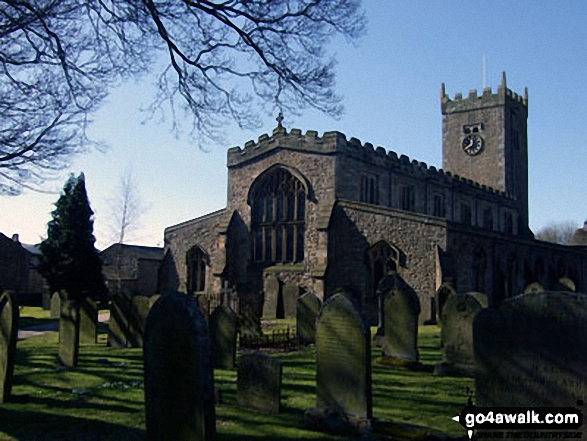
(18, 270)
(311, 213)
(131, 269)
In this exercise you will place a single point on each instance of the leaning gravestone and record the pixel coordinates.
(343, 370)
(402, 308)
(259, 382)
(69, 332)
(55, 305)
(457, 335)
(119, 322)
(290, 299)
(179, 382)
(534, 287)
(223, 324)
(88, 327)
(8, 334)
(271, 297)
(442, 294)
(532, 352)
(306, 313)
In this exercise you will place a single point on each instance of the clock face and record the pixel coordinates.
(473, 144)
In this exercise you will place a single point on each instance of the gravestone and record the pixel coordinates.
(88, 327)
(459, 312)
(532, 352)
(179, 382)
(249, 322)
(55, 305)
(480, 297)
(565, 284)
(290, 299)
(119, 322)
(271, 297)
(140, 307)
(203, 304)
(223, 324)
(259, 382)
(69, 332)
(384, 286)
(533, 287)
(306, 313)
(402, 308)
(442, 294)
(8, 335)
(343, 370)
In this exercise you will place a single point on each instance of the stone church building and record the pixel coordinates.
(317, 213)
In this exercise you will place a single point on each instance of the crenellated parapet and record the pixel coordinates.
(336, 143)
(487, 99)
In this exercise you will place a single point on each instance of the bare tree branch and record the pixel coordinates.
(223, 61)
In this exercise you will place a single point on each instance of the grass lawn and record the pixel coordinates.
(103, 399)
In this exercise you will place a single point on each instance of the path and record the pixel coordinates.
(35, 331)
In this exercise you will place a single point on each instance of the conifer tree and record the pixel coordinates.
(69, 258)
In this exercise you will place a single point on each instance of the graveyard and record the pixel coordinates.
(103, 398)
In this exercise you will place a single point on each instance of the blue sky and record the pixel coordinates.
(391, 86)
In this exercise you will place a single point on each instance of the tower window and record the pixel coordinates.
(369, 189)
(508, 223)
(278, 218)
(466, 216)
(439, 208)
(408, 197)
(488, 219)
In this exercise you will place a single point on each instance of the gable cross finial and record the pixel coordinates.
(279, 119)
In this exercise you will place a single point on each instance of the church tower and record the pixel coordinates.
(485, 139)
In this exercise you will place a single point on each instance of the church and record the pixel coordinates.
(310, 213)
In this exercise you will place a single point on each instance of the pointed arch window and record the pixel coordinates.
(278, 218)
(197, 261)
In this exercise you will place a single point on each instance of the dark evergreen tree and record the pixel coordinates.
(69, 260)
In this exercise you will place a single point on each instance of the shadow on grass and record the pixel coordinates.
(52, 427)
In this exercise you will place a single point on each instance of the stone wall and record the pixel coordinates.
(356, 227)
(179, 239)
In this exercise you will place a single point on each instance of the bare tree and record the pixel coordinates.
(222, 61)
(557, 232)
(126, 208)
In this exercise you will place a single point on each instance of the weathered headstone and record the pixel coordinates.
(88, 328)
(565, 284)
(290, 299)
(69, 332)
(402, 308)
(259, 382)
(179, 382)
(532, 352)
(119, 322)
(55, 305)
(343, 370)
(8, 334)
(271, 296)
(223, 327)
(306, 313)
(459, 312)
(534, 287)
(203, 304)
(249, 322)
(442, 294)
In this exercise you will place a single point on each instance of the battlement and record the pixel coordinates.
(332, 143)
(487, 99)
